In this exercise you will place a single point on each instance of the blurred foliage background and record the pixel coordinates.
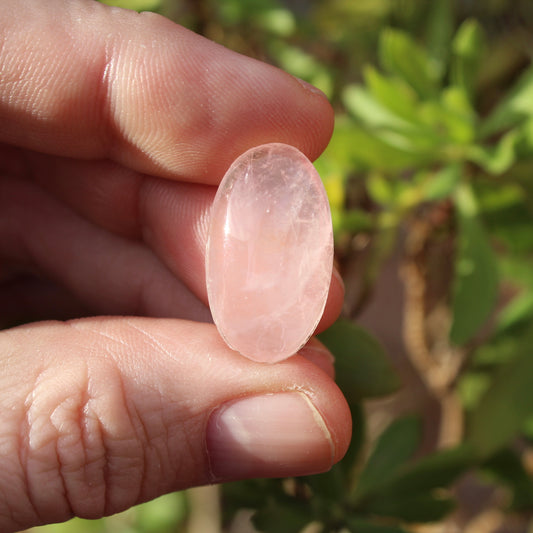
(430, 180)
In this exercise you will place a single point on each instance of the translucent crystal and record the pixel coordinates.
(270, 253)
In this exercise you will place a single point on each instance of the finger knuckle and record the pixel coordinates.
(80, 447)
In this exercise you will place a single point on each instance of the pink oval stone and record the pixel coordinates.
(269, 253)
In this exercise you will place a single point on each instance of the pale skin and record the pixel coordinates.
(115, 129)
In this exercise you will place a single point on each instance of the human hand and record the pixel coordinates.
(115, 130)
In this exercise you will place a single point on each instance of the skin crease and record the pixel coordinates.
(115, 128)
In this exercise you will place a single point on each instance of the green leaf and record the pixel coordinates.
(356, 220)
(328, 486)
(392, 93)
(393, 123)
(393, 449)
(507, 468)
(499, 158)
(371, 112)
(462, 119)
(439, 34)
(471, 388)
(442, 183)
(277, 20)
(381, 150)
(476, 276)
(509, 219)
(415, 492)
(507, 405)
(357, 525)
(513, 109)
(363, 369)
(518, 312)
(380, 189)
(282, 517)
(468, 48)
(451, 116)
(412, 507)
(401, 56)
(248, 494)
(524, 141)
(434, 471)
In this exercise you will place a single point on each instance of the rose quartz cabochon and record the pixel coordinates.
(269, 253)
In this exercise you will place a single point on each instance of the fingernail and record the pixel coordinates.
(270, 435)
(311, 88)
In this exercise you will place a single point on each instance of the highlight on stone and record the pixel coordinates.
(269, 253)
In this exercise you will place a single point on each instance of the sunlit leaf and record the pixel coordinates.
(524, 141)
(514, 108)
(468, 50)
(380, 189)
(471, 388)
(356, 220)
(450, 118)
(518, 311)
(277, 20)
(381, 152)
(442, 183)
(392, 93)
(439, 33)
(371, 112)
(496, 159)
(462, 119)
(401, 56)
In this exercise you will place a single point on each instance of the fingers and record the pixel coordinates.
(107, 273)
(319, 355)
(83, 80)
(77, 417)
(153, 261)
(168, 205)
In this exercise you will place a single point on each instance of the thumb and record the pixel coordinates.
(98, 415)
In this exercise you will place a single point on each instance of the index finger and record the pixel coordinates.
(88, 81)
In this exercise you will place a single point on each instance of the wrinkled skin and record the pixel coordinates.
(115, 128)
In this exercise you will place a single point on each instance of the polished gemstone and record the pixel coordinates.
(269, 253)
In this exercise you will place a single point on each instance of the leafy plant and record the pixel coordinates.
(418, 161)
